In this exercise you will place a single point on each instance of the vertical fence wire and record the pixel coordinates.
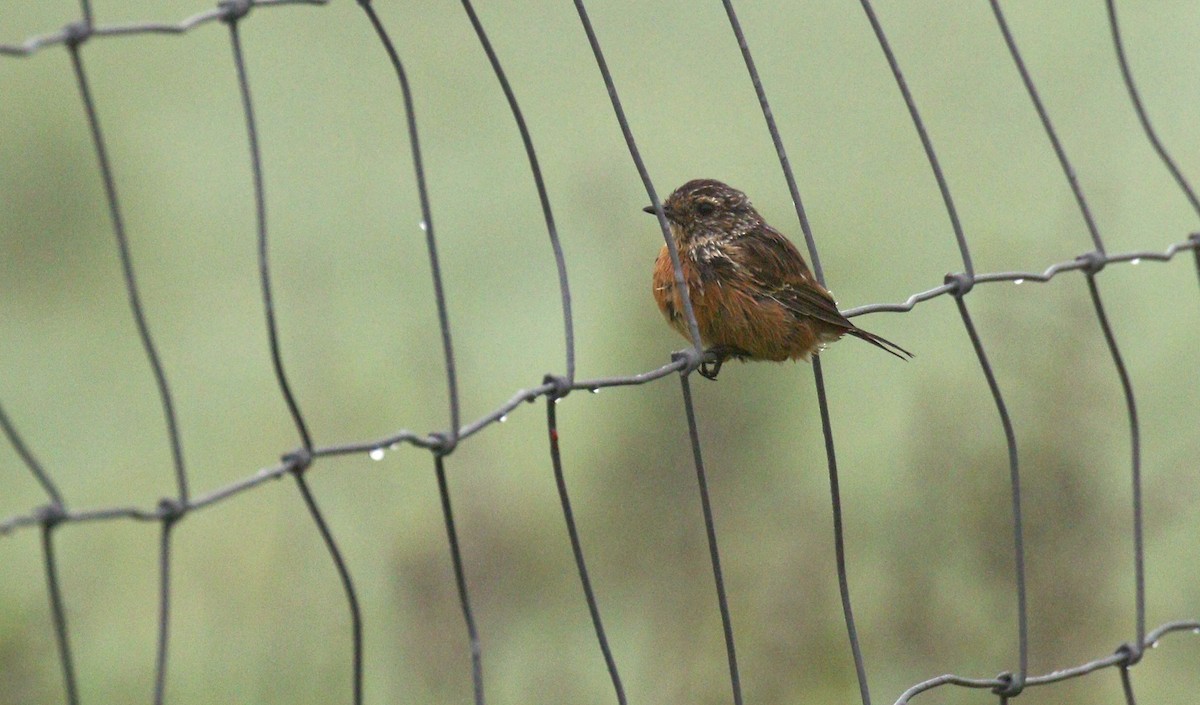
(356, 626)
(236, 11)
(50, 517)
(1135, 99)
(1044, 117)
(31, 462)
(680, 285)
(450, 439)
(79, 34)
(962, 284)
(1126, 684)
(1094, 265)
(839, 543)
(926, 142)
(839, 537)
(58, 610)
(1139, 570)
(694, 354)
(1012, 684)
(460, 579)
(1189, 193)
(564, 499)
(164, 604)
(1144, 118)
(560, 262)
(710, 528)
(776, 140)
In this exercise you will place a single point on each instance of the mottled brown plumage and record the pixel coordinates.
(753, 294)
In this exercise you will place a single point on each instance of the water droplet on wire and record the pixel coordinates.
(503, 418)
(1018, 282)
(594, 390)
(376, 454)
(424, 226)
(1136, 260)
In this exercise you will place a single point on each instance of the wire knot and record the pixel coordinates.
(559, 386)
(234, 10)
(298, 460)
(1092, 262)
(1010, 686)
(692, 357)
(960, 283)
(51, 515)
(1130, 654)
(76, 33)
(442, 444)
(171, 510)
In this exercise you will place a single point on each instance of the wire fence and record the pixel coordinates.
(56, 514)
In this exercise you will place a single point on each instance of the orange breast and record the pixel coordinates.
(730, 315)
(665, 295)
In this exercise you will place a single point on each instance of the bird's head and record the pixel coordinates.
(706, 205)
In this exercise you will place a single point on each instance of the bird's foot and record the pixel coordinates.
(719, 353)
(710, 370)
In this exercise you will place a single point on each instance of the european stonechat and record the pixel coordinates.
(753, 294)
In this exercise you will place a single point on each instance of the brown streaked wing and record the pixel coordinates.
(783, 275)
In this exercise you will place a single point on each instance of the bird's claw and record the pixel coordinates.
(710, 370)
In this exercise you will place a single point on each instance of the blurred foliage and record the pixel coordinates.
(258, 615)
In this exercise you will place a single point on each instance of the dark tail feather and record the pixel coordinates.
(881, 343)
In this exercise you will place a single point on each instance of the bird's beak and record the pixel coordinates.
(650, 209)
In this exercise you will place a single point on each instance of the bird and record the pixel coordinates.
(752, 293)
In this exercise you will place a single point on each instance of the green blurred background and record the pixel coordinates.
(258, 615)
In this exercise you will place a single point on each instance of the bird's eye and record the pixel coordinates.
(706, 208)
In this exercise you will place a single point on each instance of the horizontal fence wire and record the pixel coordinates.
(441, 443)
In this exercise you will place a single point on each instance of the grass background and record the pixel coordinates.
(258, 615)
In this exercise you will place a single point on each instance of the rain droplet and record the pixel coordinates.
(424, 226)
(556, 401)
(376, 454)
(594, 390)
(1018, 282)
(394, 446)
(1136, 260)
(1154, 644)
(503, 418)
